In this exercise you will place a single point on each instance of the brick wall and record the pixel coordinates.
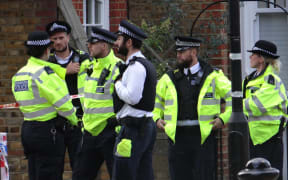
(78, 5)
(118, 11)
(17, 19)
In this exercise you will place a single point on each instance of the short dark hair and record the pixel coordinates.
(137, 44)
(36, 52)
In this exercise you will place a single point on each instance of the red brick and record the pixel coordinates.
(46, 13)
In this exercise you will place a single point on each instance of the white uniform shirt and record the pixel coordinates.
(131, 87)
(194, 69)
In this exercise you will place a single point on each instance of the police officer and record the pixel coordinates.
(99, 130)
(134, 99)
(39, 90)
(76, 63)
(265, 104)
(188, 110)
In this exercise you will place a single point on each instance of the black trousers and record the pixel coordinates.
(92, 153)
(139, 165)
(44, 148)
(72, 139)
(188, 159)
(272, 150)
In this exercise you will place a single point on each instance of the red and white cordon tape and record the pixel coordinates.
(4, 168)
(16, 105)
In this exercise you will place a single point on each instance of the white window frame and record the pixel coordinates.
(104, 17)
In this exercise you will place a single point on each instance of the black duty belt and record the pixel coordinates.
(134, 121)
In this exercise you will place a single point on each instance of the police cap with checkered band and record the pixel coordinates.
(185, 42)
(99, 34)
(131, 30)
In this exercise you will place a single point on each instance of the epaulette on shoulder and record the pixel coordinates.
(216, 69)
(177, 73)
(48, 70)
(271, 79)
(83, 55)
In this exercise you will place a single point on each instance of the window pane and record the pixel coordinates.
(89, 11)
(282, 3)
(263, 4)
(88, 31)
(98, 12)
(274, 27)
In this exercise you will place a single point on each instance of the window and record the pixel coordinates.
(95, 13)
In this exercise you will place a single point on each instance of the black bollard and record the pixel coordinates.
(258, 169)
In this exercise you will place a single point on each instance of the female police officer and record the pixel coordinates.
(39, 89)
(265, 104)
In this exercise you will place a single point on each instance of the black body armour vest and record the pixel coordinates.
(188, 90)
(72, 79)
(187, 96)
(147, 101)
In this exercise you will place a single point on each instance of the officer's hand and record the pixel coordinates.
(161, 124)
(72, 68)
(217, 123)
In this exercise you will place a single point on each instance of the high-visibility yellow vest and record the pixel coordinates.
(41, 91)
(82, 74)
(166, 106)
(265, 103)
(98, 101)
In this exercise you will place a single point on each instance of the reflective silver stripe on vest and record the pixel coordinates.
(83, 72)
(264, 118)
(98, 96)
(39, 113)
(247, 106)
(188, 123)
(108, 83)
(92, 79)
(66, 113)
(228, 103)
(37, 99)
(168, 117)
(228, 94)
(32, 102)
(210, 101)
(98, 110)
(284, 108)
(81, 90)
(160, 106)
(259, 104)
(24, 74)
(169, 102)
(37, 74)
(283, 104)
(213, 84)
(160, 98)
(206, 117)
(62, 101)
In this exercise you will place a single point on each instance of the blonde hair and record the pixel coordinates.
(275, 63)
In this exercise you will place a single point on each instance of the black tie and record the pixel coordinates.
(192, 78)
